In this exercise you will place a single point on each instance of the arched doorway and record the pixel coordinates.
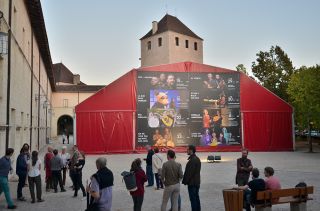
(65, 123)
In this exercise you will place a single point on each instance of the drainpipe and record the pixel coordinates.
(9, 77)
(39, 99)
(31, 92)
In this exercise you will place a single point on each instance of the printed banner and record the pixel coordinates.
(177, 109)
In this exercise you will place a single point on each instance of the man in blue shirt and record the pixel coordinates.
(5, 168)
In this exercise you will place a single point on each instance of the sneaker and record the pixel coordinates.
(21, 198)
(12, 207)
(75, 195)
(40, 200)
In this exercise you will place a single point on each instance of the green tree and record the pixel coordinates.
(242, 68)
(304, 93)
(273, 69)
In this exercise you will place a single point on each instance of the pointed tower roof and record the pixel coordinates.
(171, 23)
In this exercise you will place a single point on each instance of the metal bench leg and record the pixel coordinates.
(298, 206)
(263, 208)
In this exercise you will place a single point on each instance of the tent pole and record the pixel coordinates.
(293, 133)
(74, 129)
(242, 134)
(133, 131)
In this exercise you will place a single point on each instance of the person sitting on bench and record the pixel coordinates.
(251, 189)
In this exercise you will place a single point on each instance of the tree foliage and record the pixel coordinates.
(242, 68)
(273, 69)
(304, 92)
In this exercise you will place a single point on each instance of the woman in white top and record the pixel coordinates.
(157, 161)
(34, 177)
(65, 159)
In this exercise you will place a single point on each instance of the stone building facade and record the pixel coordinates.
(26, 79)
(170, 41)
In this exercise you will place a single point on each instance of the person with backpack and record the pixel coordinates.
(157, 161)
(100, 188)
(141, 178)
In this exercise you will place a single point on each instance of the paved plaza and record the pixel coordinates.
(290, 167)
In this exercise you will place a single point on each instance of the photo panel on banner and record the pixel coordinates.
(177, 109)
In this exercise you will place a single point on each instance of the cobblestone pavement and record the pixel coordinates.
(290, 167)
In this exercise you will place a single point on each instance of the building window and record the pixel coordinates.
(177, 41)
(159, 41)
(187, 43)
(195, 46)
(65, 103)
(149, 45)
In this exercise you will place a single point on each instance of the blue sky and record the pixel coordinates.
(99, 39)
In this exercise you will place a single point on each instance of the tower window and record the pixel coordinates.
(195, 46)
(177, 41)
(187, 43)
(149, 45)
(159, 41)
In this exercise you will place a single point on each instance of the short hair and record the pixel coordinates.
(171, 153)
(192, 148)
(245, 149)
(101, 162)
(156, 150)
(76, 146)
(64, 147)
(269, 170)
(9, 151)
(255, 172)
(55, 151)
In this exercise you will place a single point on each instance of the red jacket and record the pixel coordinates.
(141, 178)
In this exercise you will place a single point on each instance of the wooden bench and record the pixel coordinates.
(297, 197)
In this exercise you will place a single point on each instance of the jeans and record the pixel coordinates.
(193, 191)
(56, 177)
(246, 199)
(21, 183)
(4, 187)
(172, 192)
(137, 202)
(77, 183)
(150, 175)
(35, 181)
(158, 181)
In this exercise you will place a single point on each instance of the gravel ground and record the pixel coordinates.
(290, 168)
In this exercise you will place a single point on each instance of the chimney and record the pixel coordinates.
(154, 27)
(76, 79)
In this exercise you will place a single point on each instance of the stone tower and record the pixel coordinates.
(170, 41)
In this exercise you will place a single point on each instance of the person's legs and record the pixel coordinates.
(21, 183)
(194, 197)
(31, 188)
(166, 195)
(150, 175)
(246, 199)
(139, 203)
(156, 175)
(5, 188)
(81, 185)
(55, 181)
(175, 197)
(38, 187)
(76, 178)
(60, 180)
(64, 174)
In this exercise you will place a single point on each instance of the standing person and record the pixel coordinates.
(47, 168)
(34, 177)
(100, 187)
(272, 182)
(171, 174)
(157, 161)
(65, 158)
(56, 166)
(244, 167)
(149, 166)
(73, 161)
(67, 135)
(22, 170)
(5, 168)
(78, 176)
(191, 178)
(141, 178)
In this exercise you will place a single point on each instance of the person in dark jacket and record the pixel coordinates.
(141, 178)
(149, 166)
(244, 167)
(191, 178)
(22, 169)
(78, 175)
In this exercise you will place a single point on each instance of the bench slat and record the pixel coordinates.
(289, 192)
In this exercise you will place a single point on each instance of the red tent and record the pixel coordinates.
(106, 122)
